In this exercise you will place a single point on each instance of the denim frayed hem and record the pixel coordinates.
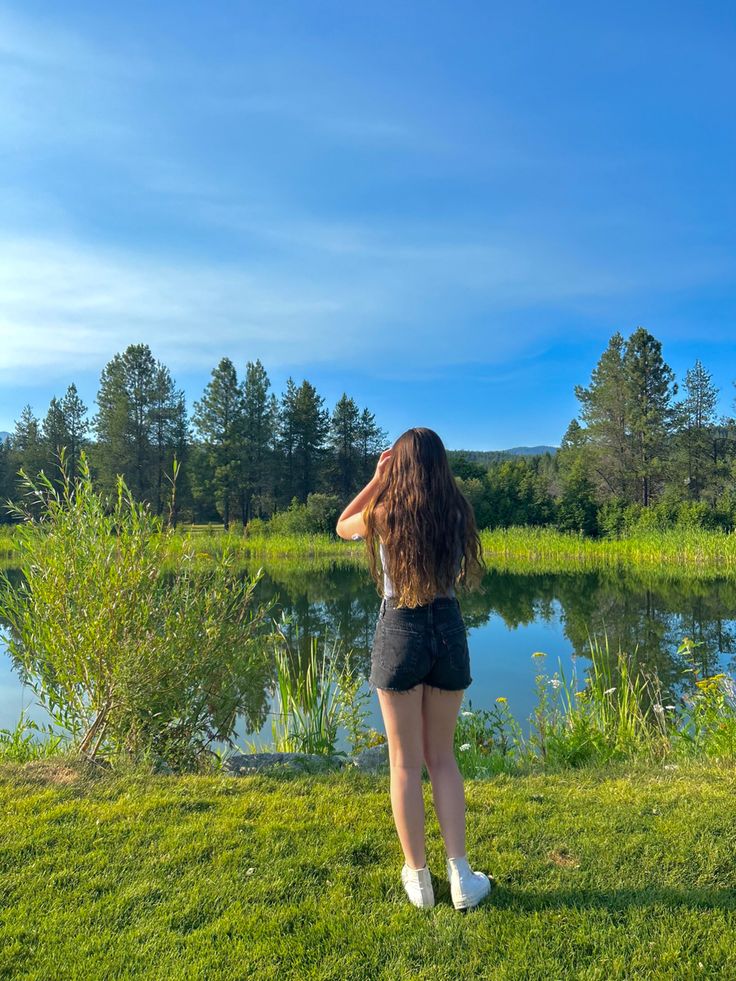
(437, 688)
(397, 691)
(405, 691)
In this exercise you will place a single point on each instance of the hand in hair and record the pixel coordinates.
(382, 463)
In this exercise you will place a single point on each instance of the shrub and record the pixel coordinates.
(323, 510)
(577, 509)
(126, 658)
(256, 527)
(611, 520)
(294, 521)
(317, 516)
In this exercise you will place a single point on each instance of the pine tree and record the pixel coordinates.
(6, 481)
(649, 386)
(257, 435)
(345, 444)
(181, 448)
(604, 410)
(372, 440)
(286, 442)
(218, 418)
(573, 447)
(27, 447)
(695, 423)
(166, 425)
(312, 423)
(123, 422)
(54, 437)
(65, 426)
(77, 426)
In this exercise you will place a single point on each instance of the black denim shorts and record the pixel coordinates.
(420, 644)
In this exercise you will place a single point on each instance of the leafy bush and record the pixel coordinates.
(256, 527)
(323, 510)
(611, 518)
(294, 521)
(577, 508)
(125, 657)
(317, 516)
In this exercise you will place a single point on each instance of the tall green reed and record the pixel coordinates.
(315, 699)
(21, 744)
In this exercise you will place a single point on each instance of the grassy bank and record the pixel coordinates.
(603, 874)
(698, 553)
(702, 554)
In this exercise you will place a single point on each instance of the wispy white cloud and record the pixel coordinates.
(266, 271)
(65, 306)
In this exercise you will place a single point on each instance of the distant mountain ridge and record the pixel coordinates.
(529, 450)
(489, 456)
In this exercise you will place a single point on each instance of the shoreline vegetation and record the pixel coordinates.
(165, 656)
(694, 552)
(617, 712)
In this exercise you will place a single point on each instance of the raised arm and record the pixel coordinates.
(350, 524)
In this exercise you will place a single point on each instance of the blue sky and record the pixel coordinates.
(443, 209)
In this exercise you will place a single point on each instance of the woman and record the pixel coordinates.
(428, 542)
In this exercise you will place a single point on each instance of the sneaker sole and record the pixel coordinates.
(464, 907)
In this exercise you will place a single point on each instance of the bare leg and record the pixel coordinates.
(440, 710)
(402, 718)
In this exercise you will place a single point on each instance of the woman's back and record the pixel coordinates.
(388, 587)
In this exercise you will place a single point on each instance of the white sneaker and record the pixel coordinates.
(418, 886)
(467, 888)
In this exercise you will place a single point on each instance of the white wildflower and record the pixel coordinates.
(659, 709)
(465, 746)
(467, 713)
(610, 691)
(729, 686)
(669, 706)
(555, 682)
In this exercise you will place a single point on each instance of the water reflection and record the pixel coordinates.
(515, 615)
(636, 612)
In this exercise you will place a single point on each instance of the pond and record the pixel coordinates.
(515, 616)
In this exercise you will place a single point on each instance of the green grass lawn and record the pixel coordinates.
(607, 873)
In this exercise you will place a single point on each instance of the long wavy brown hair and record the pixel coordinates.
(425, 522)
